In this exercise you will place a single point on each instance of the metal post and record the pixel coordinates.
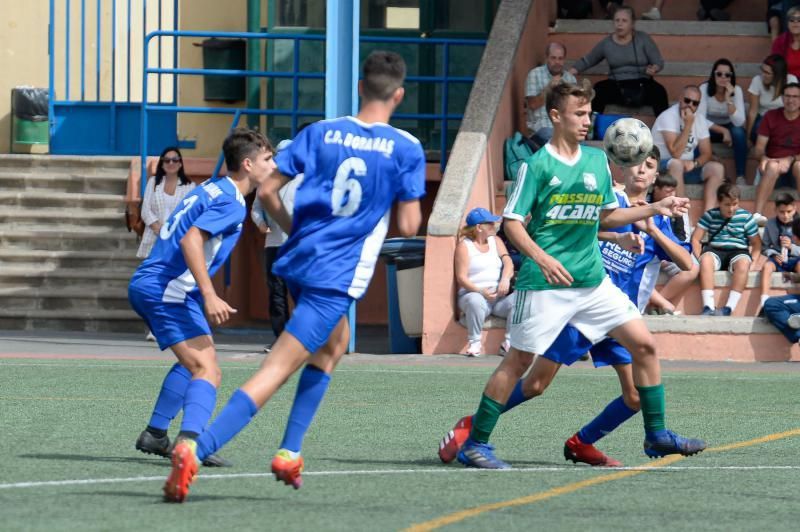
(253, 61)
(341, 79)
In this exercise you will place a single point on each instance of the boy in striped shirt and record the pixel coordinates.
(731, 232)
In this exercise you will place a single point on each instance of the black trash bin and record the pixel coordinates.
(405, 258)
(29, 124)
(224, 54)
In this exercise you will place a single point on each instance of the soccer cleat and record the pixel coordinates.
(671, 443)
(480, 455)
(184, 471)
(288, 469)
(213, 460)
(454, 439)
(577, 451)
(149, 444)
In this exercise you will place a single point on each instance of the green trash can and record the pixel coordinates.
(29, 124)
(224, 54)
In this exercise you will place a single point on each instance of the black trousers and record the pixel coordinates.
(608, 91)
(278, 296)
(714, 4)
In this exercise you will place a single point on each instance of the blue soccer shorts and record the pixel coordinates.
(571, 345)
(316, 313)
(170, 323)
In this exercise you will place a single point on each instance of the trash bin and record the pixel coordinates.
(224, 54)
(29, 116)
(405, 258)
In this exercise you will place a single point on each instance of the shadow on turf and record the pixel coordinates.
(422, 462)
(193, 498)
(91, 458)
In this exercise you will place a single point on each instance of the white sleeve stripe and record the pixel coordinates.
(518, 185)
(514, 216)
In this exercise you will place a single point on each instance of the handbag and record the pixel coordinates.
(632, 91)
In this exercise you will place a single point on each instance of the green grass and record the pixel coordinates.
(77, 420)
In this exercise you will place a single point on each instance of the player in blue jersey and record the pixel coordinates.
(172, 291)
(626, 254)
(355, 169)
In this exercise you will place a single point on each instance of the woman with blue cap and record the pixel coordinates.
(483, 271)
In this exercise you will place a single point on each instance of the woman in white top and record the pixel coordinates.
(483, 272)
(722, 102)
(163, 193)
(765, 91)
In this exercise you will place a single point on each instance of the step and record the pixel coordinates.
(57, 278)
(741, 42)
(21, 217)
(88, 321)
(57, 240)
(60, 162)
(69, 259)
(77, 300)
(62, 200)
(746, 10)
(108, 182)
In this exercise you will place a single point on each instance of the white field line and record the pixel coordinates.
(386, 472)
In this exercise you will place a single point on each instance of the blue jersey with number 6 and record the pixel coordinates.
(354, 172)
(218, 208)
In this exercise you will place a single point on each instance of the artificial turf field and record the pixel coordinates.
(68, 422)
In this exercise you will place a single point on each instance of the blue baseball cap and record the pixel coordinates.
(479, 215)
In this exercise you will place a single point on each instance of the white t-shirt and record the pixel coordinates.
(276, 236)
(766, 95)
(670, 120)
(717, 111)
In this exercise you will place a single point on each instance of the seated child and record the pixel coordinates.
(782, 254)
(731, 230)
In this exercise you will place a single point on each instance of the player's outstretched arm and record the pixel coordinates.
(217, 310)
(268, 196)
(676, 252)
(409, 217)
(554, 272)
(670, 206)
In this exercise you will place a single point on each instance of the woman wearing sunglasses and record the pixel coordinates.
(765, 92)
(788, 43)
(722, 103)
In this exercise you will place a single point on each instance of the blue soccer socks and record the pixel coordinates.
(170, 398)
(653, 401)
(516, 398)
(198, 405)
(311, 390)
(614, 415)
(235, 416)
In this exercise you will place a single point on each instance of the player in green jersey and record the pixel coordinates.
(566, 189)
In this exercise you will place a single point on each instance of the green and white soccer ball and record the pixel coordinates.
(627, 142)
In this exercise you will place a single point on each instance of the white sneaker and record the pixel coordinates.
(760, 219)
(794, 321)
(505, 347)
(653, 14)
(474, 349)
(150, 337)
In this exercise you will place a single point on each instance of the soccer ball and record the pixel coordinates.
(627, 142)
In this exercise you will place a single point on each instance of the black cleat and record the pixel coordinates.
(214, 460)
(147, 443)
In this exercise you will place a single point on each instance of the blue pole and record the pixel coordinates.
(341, 79)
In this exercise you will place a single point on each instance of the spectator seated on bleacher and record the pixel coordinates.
(776, 18)
(483, 270)
(731, 231)
(782, 253)
(679, 132)
(777, 147)
(633, 59)
(714, 10)
(765, 92)
(665, 300)
(788, 43)
(539, 79)
(722, 103)
(784, 311)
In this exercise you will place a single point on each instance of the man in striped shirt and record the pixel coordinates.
(731, 231)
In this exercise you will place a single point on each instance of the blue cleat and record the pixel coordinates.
(670, 443)
(480, 455)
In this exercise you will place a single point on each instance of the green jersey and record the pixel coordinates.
(564, 199)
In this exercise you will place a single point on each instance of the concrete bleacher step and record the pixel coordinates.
(684, 10)
(123, 260)
(23, 217)
(63, 278)
(88, 321)
(58, 239)
(70, 298)
(38, 199)
(110, 182)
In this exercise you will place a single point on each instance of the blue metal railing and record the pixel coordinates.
(295, 75)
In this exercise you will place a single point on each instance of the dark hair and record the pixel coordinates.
(160, 173)
(728, 190)
(629, 9)
(654, 153)
(712, 82)
(384, 73)
(241, 144)
(555, 96)
(784, 198)
(779, 70)
(792, 85)
(665, 180)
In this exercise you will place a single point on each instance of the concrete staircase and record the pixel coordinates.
(65, 254)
